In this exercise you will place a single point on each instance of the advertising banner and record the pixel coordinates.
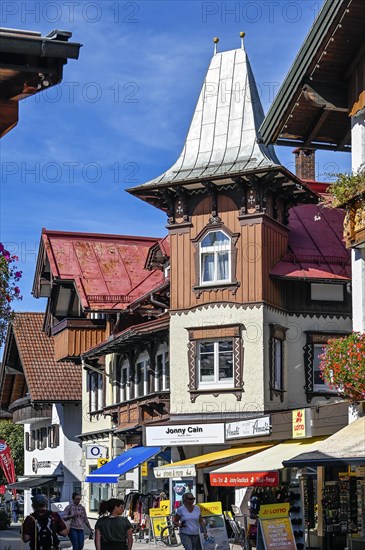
(247, 479)
(162, 510)
(174, 472)
(6, 462)
(217, 536)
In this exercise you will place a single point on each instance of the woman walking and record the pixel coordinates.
(77, 514)
(188, 518)
(112, 531)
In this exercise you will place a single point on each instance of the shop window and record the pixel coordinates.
(98, 492)
(276, 360)
(53, 436)
(314, 384)
(215, 258)
(215, 361)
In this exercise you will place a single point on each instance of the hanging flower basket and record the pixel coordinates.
(343, 366)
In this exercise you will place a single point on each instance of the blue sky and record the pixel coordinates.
(121, 114)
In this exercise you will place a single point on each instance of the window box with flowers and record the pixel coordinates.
(343, 365)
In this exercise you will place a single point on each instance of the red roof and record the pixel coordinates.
(107, 270)
(46, 379)
(316, 249)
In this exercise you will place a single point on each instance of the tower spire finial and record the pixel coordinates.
(215, 40)
(242, 35)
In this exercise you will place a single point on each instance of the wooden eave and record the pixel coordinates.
(312, 106)
(158, 195)
(30, 63)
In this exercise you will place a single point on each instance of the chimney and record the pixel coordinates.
(305, 163)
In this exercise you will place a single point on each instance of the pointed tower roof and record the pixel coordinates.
(222, 138)
(222, 142)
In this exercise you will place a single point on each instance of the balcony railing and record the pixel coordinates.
(72, 337)
(141, 410)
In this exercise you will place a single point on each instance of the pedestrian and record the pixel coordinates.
(14, 508)
(112, 531)
(189, 519)
(41, 527)
(77, 514)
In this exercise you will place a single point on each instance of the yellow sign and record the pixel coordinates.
(144, 469)
(278, 534)
(298, 423)
(210, 508)
(271, 511)
(158, 524)
(102, 461)
(163, 510)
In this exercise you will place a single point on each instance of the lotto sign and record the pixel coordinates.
(275, 530)
(210, 508)
(298, 423)
(101, 462)
(96, 451)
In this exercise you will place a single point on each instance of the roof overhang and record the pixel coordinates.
(313, 105)
(158, 194)
(30, 63)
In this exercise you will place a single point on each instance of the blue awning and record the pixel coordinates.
(110, 472)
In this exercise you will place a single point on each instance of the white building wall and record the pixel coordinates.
(63, 460)
(225, 314)
(294, 373)
(358, 254)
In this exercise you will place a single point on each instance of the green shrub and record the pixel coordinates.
(346, 187)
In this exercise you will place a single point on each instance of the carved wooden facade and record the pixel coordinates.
(354, 222)
(72, 337)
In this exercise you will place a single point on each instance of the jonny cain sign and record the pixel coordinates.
(248, 428)
(185, 434)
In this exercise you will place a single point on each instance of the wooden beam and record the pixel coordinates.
(320, 118)
(9, 116)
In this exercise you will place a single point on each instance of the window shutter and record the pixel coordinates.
(27, 441)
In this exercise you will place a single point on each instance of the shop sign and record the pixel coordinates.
(96, 451)
(275, 530)
(101, 462)
(298, 424)
(247, 479)
(158, 524)
(162, 510)
(144, 469)
(249, 428)
(37, 464)
(210, 508)
(184, 434)
(173, 473)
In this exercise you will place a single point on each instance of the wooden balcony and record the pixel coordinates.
(25, 413)
(137, 412)
(72, 337)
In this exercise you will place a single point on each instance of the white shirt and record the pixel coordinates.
(189, 520)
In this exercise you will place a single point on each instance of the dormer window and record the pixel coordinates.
(215, 261)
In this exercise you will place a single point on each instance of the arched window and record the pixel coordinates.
(215, 261)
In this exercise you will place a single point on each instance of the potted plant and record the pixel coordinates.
(346, 188)
(343, 365)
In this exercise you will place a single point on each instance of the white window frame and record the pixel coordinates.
(215, 250)
(142, 362)
(216, 383)
(162, 381)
